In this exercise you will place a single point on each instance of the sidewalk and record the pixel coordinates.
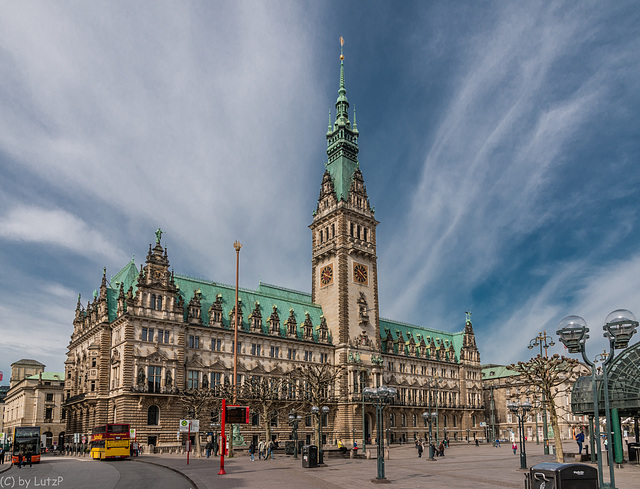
(463, 466)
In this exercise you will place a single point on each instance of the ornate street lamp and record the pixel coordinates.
(543, 341)
(428, 417)
(619, 327)
(379, 397)
(294, 419)
(320, 414)
(521, 410)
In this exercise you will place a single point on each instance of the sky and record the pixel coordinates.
(499, 143)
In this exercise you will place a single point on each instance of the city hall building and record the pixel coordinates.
(150, 333)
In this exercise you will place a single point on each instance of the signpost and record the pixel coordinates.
(187, 426)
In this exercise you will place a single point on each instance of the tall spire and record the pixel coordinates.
(342, 104)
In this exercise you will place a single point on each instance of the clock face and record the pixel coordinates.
(360, 273)
(326, 275)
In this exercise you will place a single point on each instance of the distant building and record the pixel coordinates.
(504, 386)
(148, 333)
(3, 394)
(34, 398)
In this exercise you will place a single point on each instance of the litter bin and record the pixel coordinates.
(309, 456)
(634, 452)
(562, 476)
(288, 447)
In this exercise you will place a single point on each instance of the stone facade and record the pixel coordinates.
(150, 334)
(505, 387)
(35, 398)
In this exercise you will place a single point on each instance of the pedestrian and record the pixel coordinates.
(261, 450)
(514, 447)
(477, 444)
(215, 447)
(498, 442)
(252, 451)
(1, 455)
(28, 459)
(419, 447)
(20, 460)
(580, 441)
(208, 447)
(270, 448)
(441, 449)
(355, 448)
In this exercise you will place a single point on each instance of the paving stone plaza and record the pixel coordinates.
(464, 466)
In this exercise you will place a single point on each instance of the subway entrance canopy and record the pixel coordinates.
(624, 386)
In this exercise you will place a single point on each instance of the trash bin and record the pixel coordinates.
(634, 452)
(562, 476)
(309, 456)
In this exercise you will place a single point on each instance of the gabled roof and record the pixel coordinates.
(490, 372)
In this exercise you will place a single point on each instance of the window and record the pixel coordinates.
(194, 341)
(255, 349)
(473, 421)
(153, 415)
(275, 352)
(308, 356)
(193, 377)
(291, 354)
(216, 344)
(255, 419)
(94, 361)
(93, 386)
(239, 350)
(154, 374)
(163, 336)
(274, 418)
(216, 378)
(392, 419)
(415, 420)
(49, 397)
(147, 334)
(48, 413)
(324, 357)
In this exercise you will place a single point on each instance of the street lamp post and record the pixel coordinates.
(428, 418)
(543, 341)
(468, 430)
(521, 410)
(380, 397)
(320, 414)
(294, 419)
(619, 327)
(493, 427)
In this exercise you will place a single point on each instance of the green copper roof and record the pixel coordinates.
(48, 376)
(417, 332)
(490, 372)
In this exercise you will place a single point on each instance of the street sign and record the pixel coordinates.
(184, 425)
(237, 415)
(132, 433)
(76, 438)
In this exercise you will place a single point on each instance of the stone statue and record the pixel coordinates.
(238, 439)
(168, 379)
(158, 235)
(141, 376)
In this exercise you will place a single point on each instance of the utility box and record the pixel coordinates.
(561, 476)
(309, 456)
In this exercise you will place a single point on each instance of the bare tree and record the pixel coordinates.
(315, 382)
(268, 395)
(549, 376)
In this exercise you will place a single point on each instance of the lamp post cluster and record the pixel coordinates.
(428, 418)
(294, 419)
(379, 397)
(320, 413)
(521, 411)
(619, 327)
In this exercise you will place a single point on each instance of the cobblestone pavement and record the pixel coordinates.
(464, 466)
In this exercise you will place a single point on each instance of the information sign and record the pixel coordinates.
(237, 415)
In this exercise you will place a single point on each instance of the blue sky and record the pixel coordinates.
(499, 142)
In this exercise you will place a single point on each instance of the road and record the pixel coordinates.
(84, 473)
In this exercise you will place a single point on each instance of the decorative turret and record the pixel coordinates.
(469, 352)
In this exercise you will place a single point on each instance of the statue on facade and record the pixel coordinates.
(168, 379)
(141, 376)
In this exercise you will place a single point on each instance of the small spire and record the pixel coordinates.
(329, 128)
(355, 124)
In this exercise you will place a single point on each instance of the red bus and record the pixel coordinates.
(110, 441)
(26, 439)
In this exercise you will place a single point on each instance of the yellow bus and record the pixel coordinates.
(110, 441)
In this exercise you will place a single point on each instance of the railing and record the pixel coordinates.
(76, 398)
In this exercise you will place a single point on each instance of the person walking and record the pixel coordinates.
(28, 459)
(261, 450)
(20, 460)
(252, 451)
(215, 447)
(1, 455)
(270, 448)
(477, 443)
(580, 441)
(514, 447)
(208, 447)
(441, 449)
(419, 447)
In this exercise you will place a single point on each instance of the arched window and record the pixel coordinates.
(404, 420)
(392, 419)
(415, 420)
(444, 420)
(153, 415)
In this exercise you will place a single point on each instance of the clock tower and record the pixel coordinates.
(344, 270)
